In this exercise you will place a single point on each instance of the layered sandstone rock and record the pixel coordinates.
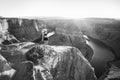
(57, 62)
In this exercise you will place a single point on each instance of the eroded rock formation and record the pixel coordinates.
(50, 62)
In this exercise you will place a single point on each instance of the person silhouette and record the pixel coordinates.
(44, 36)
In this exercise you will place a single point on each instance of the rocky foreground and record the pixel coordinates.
(29, 61)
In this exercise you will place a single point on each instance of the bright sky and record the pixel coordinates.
(60, 8)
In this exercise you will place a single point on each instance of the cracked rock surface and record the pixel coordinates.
(31, 61)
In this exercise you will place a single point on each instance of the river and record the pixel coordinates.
(100, 57)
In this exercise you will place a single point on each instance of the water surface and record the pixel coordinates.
(100, 57)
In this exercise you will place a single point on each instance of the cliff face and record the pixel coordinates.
(43, 62)
(6, 72)
(24, 29)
